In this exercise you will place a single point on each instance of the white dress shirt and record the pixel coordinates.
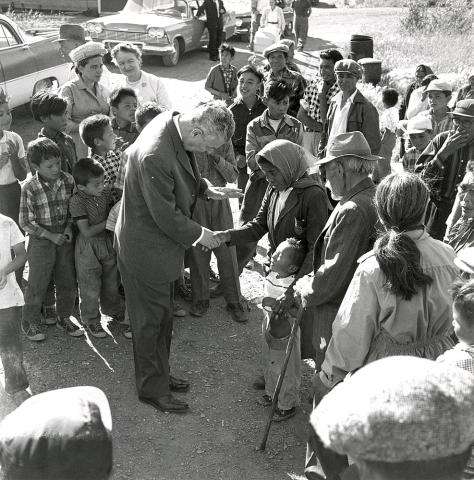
(341, 114)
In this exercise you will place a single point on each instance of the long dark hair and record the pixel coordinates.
(400, 202)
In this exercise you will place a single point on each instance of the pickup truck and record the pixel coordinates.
(29, 62)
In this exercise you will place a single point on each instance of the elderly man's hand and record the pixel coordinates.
(221, 193)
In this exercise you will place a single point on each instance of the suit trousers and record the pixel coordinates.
(149, 308)
(215, 40)
(301, 30)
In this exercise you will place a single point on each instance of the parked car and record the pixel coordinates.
(166, 28)
(28, 62)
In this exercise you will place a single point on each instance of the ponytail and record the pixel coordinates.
(399, 259)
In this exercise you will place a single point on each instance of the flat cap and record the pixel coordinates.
(276, 47)
(348, 66)
(399, 409)
(87, 50)
(464, 108)
(61, 434)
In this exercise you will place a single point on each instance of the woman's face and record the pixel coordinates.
(92, 71)
(420, 75)
(128, 63)
(273, 176)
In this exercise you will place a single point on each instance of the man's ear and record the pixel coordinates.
(81, 188)
(196, 131)
(114, 110)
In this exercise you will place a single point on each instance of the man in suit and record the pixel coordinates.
(214, 10)
(155, 228)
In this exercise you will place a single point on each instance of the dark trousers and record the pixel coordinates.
(215, 40)
(47, 260)
(301, 30)
(149, 308)
(242, 179)
(436, 216)
(11, 352)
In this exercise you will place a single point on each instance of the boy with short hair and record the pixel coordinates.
(123, 103)
(97, 133)
(44, 215)
(419, 131)
(96, 263)
(50, 109)
(145, 113)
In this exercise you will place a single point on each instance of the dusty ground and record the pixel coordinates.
(217, 439)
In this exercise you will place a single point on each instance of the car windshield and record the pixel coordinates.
(146, 6)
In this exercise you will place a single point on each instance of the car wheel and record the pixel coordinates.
(173, 59)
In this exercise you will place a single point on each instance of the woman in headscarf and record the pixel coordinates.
(85, 96)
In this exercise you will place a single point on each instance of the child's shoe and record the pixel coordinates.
(69, 327)
(33, 332)
(96, 330)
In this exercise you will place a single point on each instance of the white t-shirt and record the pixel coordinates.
(6, 171)
(149, 89)
(274, 123)
(10, 235)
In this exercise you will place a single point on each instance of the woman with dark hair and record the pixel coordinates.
(398, 302)
(420, 73)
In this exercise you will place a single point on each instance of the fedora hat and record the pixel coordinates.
(351, 144)
(464, 108)
(71, 31)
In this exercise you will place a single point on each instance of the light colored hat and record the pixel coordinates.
(465, 260)
(464, 108)
(351, 144)
(399, 409)
(71, 31)
(419, 124)
(348, 66)
(276, 47)
(87, 50)
(438, 86)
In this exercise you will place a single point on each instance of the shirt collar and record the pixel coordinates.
(44, 182)
(264, 120)
(176, 124)
(50, 133)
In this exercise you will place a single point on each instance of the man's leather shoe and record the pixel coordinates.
(166, 403)
(178, 384)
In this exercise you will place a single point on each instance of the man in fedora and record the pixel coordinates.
(443, 165)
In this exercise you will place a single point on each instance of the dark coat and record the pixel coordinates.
(154, 227)
(213, 17)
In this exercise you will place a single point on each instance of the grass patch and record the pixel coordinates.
(35, 20)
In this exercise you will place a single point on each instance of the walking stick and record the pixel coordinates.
(289, 349)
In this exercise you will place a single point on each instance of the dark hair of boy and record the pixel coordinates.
(42, 149)
(146, 112)
(93, 127)
(331, 54)
(462, 293)
(389, 97)
(85, 169)
(427, 80)
(299, 250)
(44, 103)
(225, 47)
(276, 90)
(119, 94)
(250, 69)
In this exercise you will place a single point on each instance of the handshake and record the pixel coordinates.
(211, 240)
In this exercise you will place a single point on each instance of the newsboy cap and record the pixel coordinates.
(464, 108)
(276, 47)
(71, 31)
(57, 435)
(399, 409)
(348, 66)
(87, 50)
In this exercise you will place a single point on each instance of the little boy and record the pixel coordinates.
(123, 103)
(11, 301)
(97, 133)
(44, 215)
(96, 263)
(285, 262)
(50, 109)
(419, 131)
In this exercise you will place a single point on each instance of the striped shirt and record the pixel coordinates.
(111, 164)
(90, 207)
(44, 205)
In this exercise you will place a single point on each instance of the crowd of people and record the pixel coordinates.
(119, 194)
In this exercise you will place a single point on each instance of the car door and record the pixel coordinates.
(17, 64)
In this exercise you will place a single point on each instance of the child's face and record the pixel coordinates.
(94, 187)
(463, 331)
(125, 111)
(56, 122)
(420, 140)
(225, 58)
(437, 100)
(108, 140)
(467, 201)
(5, 117)
(277, 61)
(249, 85)
(282, 261)
(277, 108)
(49, 169)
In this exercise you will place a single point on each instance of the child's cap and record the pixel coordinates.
(419, 124)
(465, 260)
(438, 86)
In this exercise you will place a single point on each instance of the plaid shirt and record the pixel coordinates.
(410, 158)
(310, 100)
(125, 135)
(66, 146)
(111, 164)
(45, 206)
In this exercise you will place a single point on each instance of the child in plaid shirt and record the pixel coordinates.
(44, 216)
(97, 133)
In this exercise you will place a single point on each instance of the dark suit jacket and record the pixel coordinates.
(213, 16)
(363, 117)
(154, 227)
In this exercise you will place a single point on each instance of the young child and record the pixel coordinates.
(123, 103)
(11, 301)
(13, 167)
(145, 113)
(97, 133)
(50, 109)
(285, 262)
(221, 81)
(44, 215)
(96, 263)
(419, 131)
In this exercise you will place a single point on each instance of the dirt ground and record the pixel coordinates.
(217, 439)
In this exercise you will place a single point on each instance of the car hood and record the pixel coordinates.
(137, 21)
